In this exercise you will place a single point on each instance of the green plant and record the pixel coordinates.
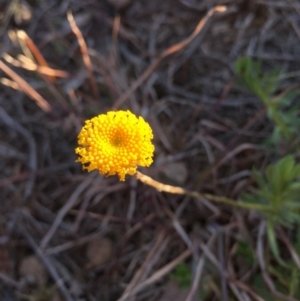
(263, 85)
(183, 275)
(280, 108)
(279, 188)
(245, 252)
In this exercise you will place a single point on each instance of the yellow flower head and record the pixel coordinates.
(115, 143)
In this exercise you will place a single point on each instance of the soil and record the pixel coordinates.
(209, 133)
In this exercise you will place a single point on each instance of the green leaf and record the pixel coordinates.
(280, 109)
(245, 251)
(295, 281)
(273, 242)
(183, 275)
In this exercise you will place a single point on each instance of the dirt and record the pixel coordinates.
(53, 210)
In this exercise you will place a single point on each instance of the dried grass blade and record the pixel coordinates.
(84, 51)
(22, 35)
(26, 88)
(31, 66)
(167, 52)
(158, 275)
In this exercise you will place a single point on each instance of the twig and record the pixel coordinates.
(225, 155)
(32, 160)
(242, 29)
(290, 247)
(137, 226)
(35, 172)
(293, 24)
(47, 263)
(198, 271)
(239, 295)
(22, 35)
(180, 230)
(84, 51)
(262, 264)
(32, 66)
(230, 279)
(152, 257)
(247, 289)
(177, 225)
(41, 102)
(297, 9)
(174, 48)
(110, 218)
(8, 281)
(158, 275)
(71, 244)
(7, 15)
(234, 152)
(64, 210)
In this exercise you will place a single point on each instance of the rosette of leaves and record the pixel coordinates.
(278, 188)
(282, 110)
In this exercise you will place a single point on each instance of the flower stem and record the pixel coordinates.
(213, 198)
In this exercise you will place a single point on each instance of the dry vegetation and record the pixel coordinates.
(69, 235)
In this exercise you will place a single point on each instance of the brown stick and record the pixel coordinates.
(158, 274)
(165, 53)
(32, 66)
(41, 102)
(21, 34)
(84, 51)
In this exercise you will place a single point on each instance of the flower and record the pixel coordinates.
(115, 143)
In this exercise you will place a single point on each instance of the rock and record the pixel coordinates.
(99, 251)
(32, 269)
(176, 172)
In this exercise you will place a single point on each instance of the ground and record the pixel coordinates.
(67, 234)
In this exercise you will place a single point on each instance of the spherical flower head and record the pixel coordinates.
(115, 143)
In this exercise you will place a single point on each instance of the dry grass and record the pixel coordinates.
(56, 76)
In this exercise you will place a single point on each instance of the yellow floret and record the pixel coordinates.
(115, 143)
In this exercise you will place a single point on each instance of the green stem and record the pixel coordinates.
(213, 198)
